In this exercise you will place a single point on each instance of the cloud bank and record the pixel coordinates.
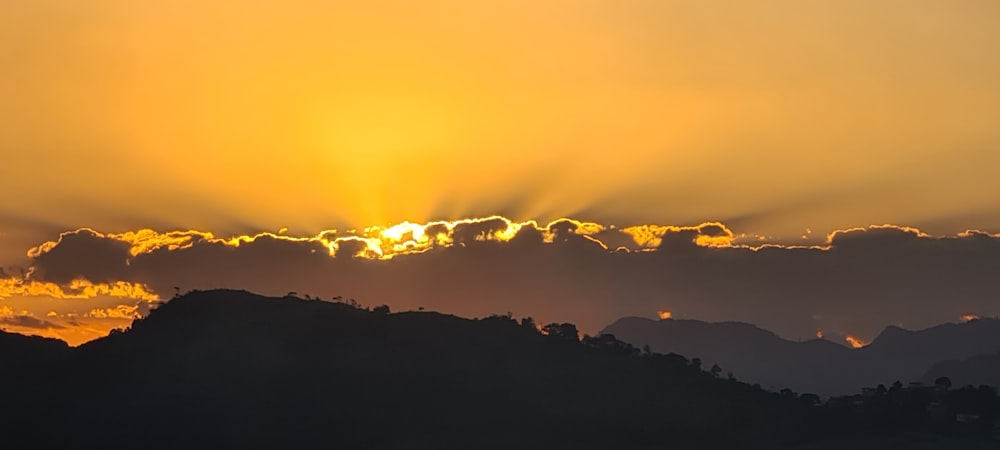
(861, 280)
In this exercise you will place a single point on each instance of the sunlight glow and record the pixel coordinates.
(77, 289)
(855, 342)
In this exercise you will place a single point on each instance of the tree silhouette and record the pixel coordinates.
(565, 331)
(608, 343)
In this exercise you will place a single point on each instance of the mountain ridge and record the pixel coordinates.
(231, 369)
(755, 355)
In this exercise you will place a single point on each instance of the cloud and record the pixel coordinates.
(24, 319)
(78, 254)
(77, 289)
(859, 281)
(118, 312)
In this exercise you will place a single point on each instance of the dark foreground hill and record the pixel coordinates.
(818, 366)
(235, 370)
(229, 369)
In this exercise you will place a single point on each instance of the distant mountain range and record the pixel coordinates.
(818, 366)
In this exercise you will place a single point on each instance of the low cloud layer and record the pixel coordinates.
(24, 319)
(858, 282)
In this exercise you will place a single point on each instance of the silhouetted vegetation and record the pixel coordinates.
(231, 369)
(969, 412)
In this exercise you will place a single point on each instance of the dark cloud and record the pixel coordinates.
(351, 247)
(563, 226)
(527, 237)
(24, 321)
(713, 230)
(470, 233)
(864, 280)
(83, 254)
(679, 241)
(614, 238)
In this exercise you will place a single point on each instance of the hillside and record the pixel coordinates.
(230, 369)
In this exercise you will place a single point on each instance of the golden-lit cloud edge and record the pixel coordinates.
(377, 243)
(383, 243)
(388, 242)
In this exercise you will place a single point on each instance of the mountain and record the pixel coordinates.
(230, 369)
(817, 366)
(27, 364)
(27, 349)
(750, 353)
(974, 371)
(28, 354)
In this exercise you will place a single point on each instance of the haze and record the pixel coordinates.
(309, 115)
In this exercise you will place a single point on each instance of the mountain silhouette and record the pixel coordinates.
(26, 348)
(817, 366)
(974, 371)
(231, 369)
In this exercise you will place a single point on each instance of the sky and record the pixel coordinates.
(783, 122)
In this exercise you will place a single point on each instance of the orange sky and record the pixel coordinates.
(237, 117)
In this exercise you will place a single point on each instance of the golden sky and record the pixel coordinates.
(234, 117)
(311, 114)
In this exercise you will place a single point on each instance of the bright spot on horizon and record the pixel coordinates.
(664, 314)
(855, 342)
